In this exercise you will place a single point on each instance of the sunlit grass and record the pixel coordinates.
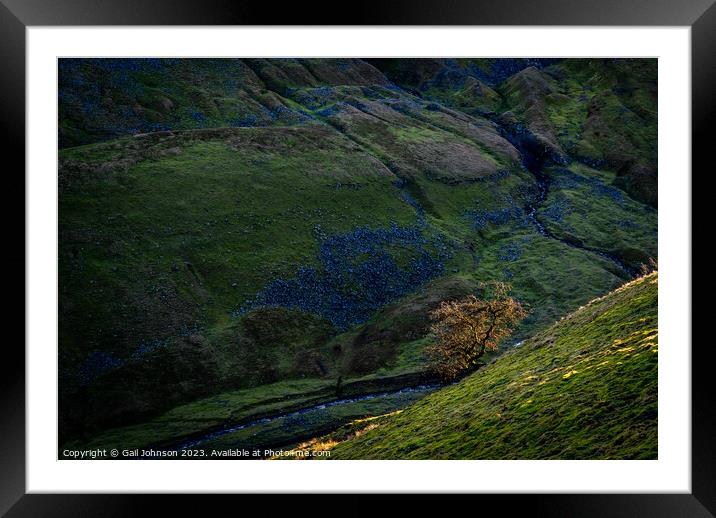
(586, 388)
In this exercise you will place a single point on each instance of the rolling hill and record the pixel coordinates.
(244, 225)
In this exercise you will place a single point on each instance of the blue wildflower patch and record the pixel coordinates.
(558, 209)
(566, 179)
(510, 252)
(248, 121)
(197, 116)
(147, 347)
(329, 112)
(95, 364)
(360, 272)
(498, 217)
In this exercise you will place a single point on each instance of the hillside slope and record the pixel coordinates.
(586, 388)
(601, 112)
(229, 224)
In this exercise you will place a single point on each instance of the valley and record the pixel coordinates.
(249, 248)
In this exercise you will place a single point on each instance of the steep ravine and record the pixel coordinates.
(535, 158)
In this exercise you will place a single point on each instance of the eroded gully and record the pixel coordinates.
(534, 159)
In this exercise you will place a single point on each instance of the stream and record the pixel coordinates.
(292, 427)
(534, 160)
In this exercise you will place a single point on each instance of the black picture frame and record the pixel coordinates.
(17, 15)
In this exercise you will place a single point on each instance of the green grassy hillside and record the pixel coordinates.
(232, 225)
(585, 388)
(601, 112)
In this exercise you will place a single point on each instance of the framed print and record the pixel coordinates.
(445, 240)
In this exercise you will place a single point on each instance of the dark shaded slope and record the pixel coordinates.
(101, 99)
(309, 241)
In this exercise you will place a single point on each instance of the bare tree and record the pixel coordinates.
(466, 329)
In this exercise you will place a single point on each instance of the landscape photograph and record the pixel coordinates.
(357, 258)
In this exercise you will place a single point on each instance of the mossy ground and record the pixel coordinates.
(257, 407)
(194, 418)
(165, 237)
(585, 388)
